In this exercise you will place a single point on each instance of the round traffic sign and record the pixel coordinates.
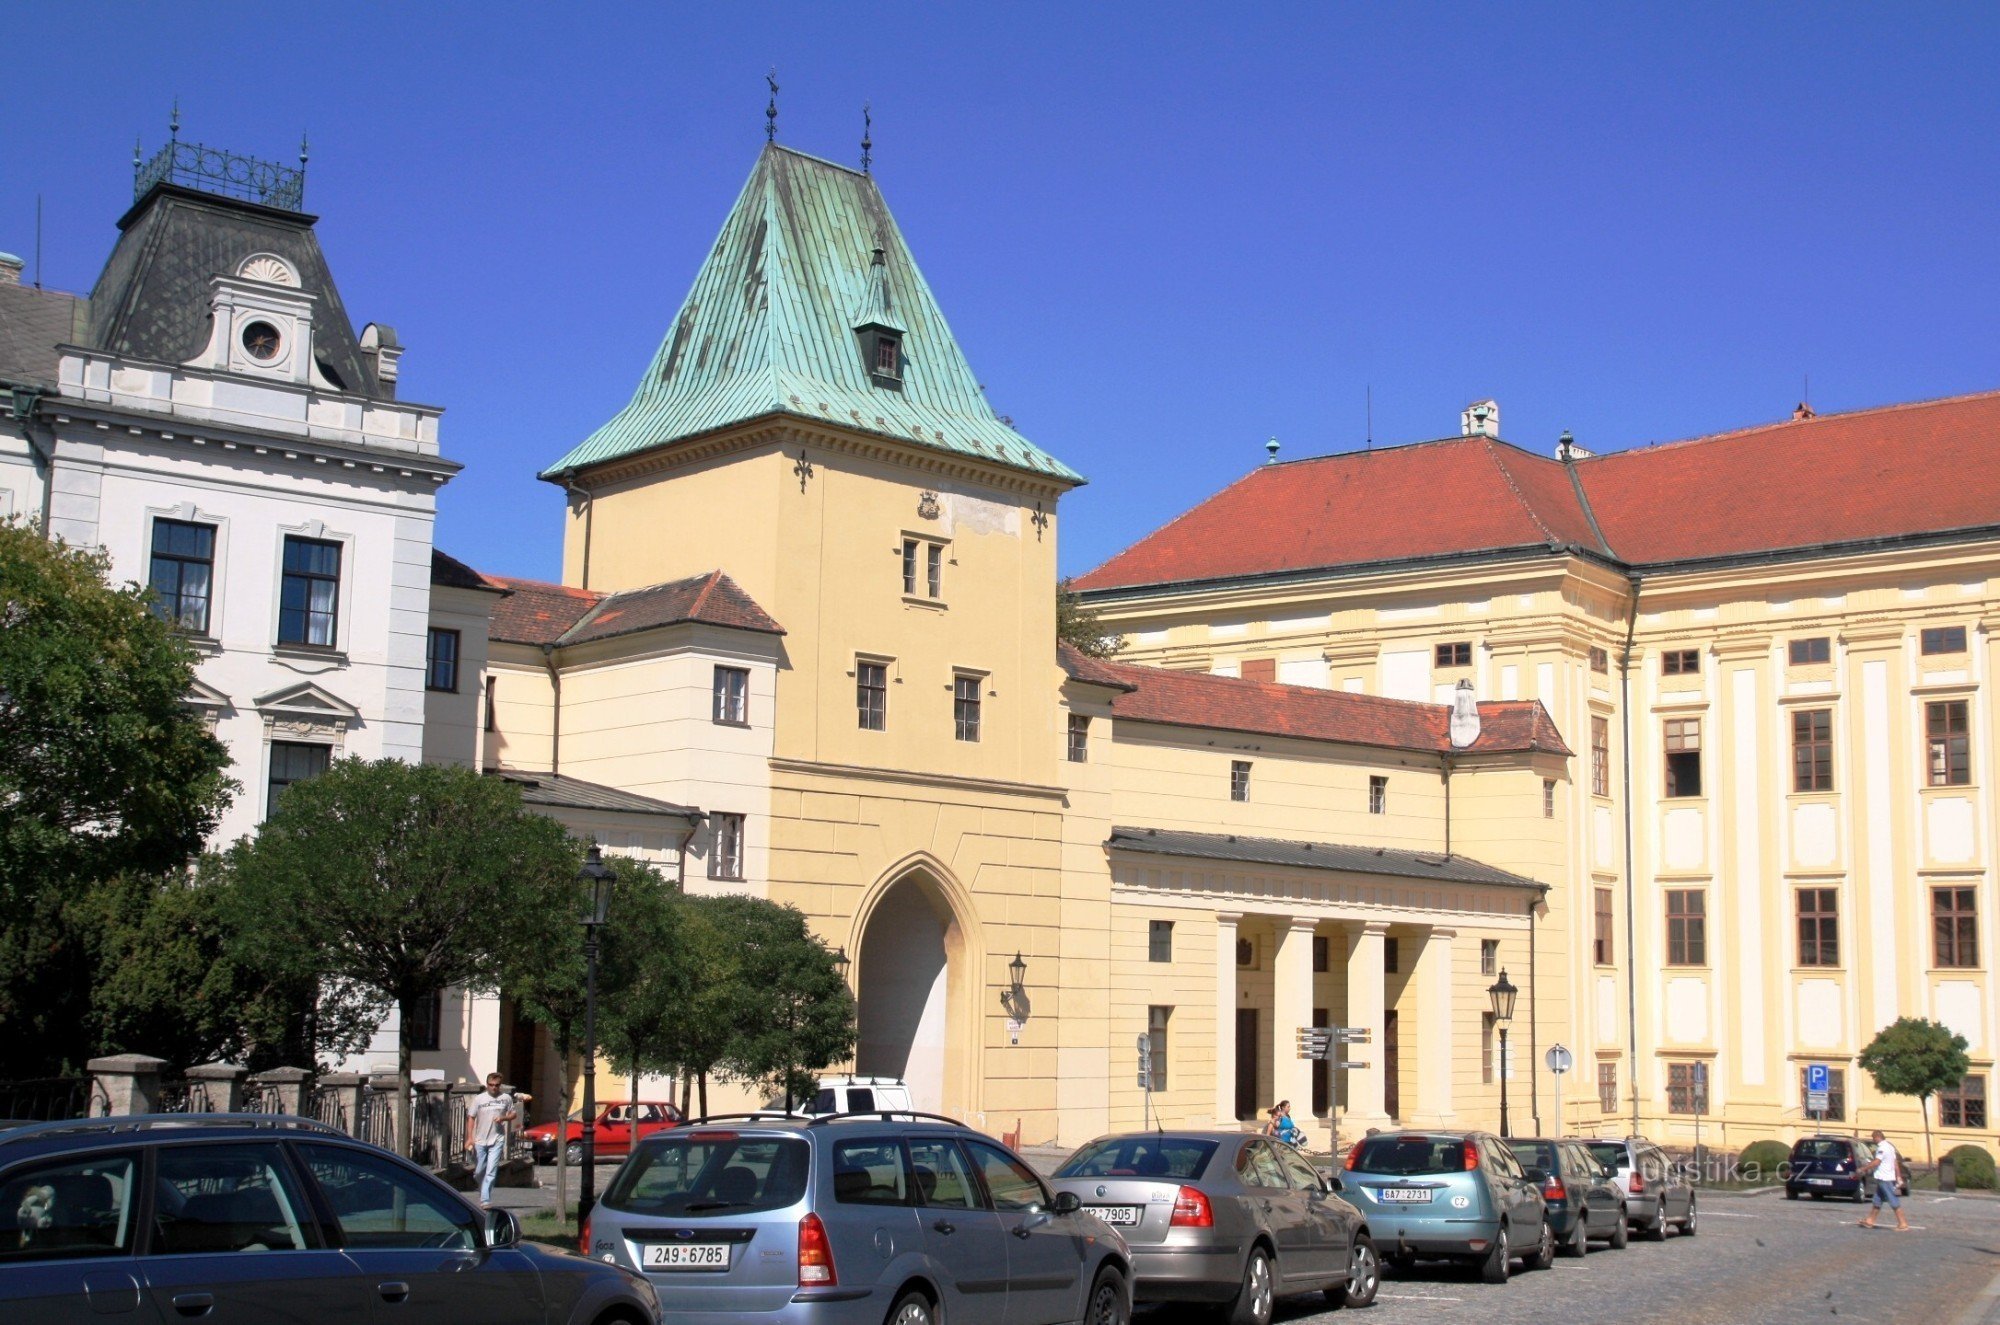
(1559, 1059)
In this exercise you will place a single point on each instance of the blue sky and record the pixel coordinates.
(1163, 233)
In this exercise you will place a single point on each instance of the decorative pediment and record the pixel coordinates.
(205, 696)
(306, 709)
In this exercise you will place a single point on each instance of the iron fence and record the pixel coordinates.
(324, 1105)
(46, 1099)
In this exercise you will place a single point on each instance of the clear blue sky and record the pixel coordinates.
(1163, 233)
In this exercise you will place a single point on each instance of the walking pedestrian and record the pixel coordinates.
(486, 1119)
(1281, 1125)
(1888, 1172)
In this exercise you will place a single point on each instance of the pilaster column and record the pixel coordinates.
(126, 1084)
(1291, 1008)
(219, 1087)
(1366, 1007)
(1438, 1030)
(1225, 1018)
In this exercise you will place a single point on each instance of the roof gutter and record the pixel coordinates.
(1116, 593)
(1631, 886)
(27, 405)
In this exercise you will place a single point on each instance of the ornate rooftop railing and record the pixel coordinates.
(230, 174)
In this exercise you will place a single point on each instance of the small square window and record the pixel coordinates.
(1964, 1107)
(1457, 653)
(1239, 779)
(1079, 738)
(1378, 794)
(1680, 662)
(1600, 659)
(732, 696)
(1159, 940)
(888, 356)
(1806, 652)
(1944, 639)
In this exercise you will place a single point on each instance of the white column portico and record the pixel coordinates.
(1225, 1018)
(1434, 1041)
(1366, 1007)
(1291, 1008)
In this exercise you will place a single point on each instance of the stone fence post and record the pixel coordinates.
(287, 1087)
(347, 1088)
(127, 1083)
(221, 1087)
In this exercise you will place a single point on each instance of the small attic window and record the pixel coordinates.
(885, 356)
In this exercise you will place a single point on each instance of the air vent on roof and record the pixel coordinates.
(1480, 419)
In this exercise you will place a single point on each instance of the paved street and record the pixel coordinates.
(1757, 1259)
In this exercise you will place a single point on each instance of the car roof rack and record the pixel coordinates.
(886, 1115)
(139, 1122)
(755, 1115)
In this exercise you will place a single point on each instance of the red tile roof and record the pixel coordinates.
(1198, 699)
(1903, 470)
(539, 613)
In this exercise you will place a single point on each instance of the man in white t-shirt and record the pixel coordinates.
(1887, 1172)
(486, 1117)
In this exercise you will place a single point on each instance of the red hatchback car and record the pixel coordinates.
(612, 1133)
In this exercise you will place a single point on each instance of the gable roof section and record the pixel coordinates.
(1458, 495)
(1337, 856)
(32, 323)
(1268, 708)
(568, 793)
(769, 328)
(451, 573)
(538, 614)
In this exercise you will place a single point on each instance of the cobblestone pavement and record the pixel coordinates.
(1757, 1259)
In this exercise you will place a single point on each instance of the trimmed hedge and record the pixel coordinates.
(1764, 1160)
(1974, 1167)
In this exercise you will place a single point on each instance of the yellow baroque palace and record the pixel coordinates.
(1679, 758)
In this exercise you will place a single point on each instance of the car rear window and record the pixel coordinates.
(1822, 1150)
(1611, 1154)
(1537, 1155)
(703, 1173)
(1178, 1157)
(1409, 1156)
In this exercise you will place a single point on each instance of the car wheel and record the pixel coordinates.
(1499, 1259)
(912, 1308)
(1621, 1232)
(1253, 1300)
(1578, 1242)
(1108, 1302)
(1656, 1229)
(1364, 1276)
(1687, 1225)
(573, 1154)
(1544, 1254)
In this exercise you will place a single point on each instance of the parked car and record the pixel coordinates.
(859, 1095)
(1222, 1218)
(1823, 1166)
(611, 1134)
(1449, 1196)
(176, 1216)
(1657, 1193)
(1584, 1204)
(855, 1220)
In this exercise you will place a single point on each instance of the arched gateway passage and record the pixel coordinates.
(913, 1006)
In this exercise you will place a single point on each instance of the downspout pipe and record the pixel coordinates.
(1631, 885)
(1444, 771)
(585, 502)
(27, 404)
(1536, 904)
(555, 710)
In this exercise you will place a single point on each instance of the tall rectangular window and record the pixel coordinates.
(1156, 1036)
(1950, 741)
(1600, 659)
(1458, 653)
(1322, 953)
(1812, 750)
(1680, 662)
(1965, 1106)
(1607, 1088)
(965, 707)
(1489, 956)
(1955, 926)
(1378, 794)
(427, 1016)
(725, 852)
(1819, 926)
(309, 596)
(1159, 940)
(1687, 927)
(910, 567)
(1684, 1089)
(1806, 652)
(183, 573)
(934, 570)
(1392, 957)
(441, 660)
(871, 695)
(1487, 1026)
(1601, 941)
(1548, 798)
(923, 568)
(1683, 746)
(493, 703)
(293, 761)
(1836, 1094)
(1600, 756)
(1239, 779)
(1079, 738)
(732, 696)
(1943, 639)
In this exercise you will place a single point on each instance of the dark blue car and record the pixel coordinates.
(1823, 1166)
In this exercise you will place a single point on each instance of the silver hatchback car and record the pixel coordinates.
(854, 1219)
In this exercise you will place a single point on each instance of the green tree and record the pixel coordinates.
(792, 1013)
(1913, 1056)
(679, 967)
(1080, 626)
(393, 881)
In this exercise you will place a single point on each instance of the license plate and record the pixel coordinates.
(685, 1256)
(1116, 1214)
(1407, 1195)
(1819, 1182)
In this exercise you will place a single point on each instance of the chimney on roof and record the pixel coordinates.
(1804, 411)
(384, 353)
(11, 268)
(1480, 419)
(1567, 449)
(1464, 716)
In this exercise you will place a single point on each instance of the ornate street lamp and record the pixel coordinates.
(841, 963)
(1502, 992)
(1014, 998)
(598, 876)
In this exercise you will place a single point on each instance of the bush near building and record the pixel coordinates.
(1973, 1166)
(1764, 1159)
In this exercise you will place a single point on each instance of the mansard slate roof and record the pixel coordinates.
(1269, 708)
(1430, 866)
(556, 614)
(152, 299)
(769, 328)
(32, 323)
(1926, 469)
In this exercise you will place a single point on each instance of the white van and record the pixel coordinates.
(859, 1095)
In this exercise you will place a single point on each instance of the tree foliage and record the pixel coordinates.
(1912, 1056)
(104, 767)
(1080, 626)
(403, 880)
(793, 1012)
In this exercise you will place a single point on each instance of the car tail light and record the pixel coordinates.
(583, 1240)
(1354, 1157)
(815, 1254)
(698, 1137)
(1638, 1187)
(1192, 1210)
(1553, 1189)
(1471, 1156)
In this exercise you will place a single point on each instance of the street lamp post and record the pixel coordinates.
(598, 876)
(1502, 992)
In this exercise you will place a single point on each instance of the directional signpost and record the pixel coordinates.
(1323, 1044)
(1146, 1073)
(1819, 1083)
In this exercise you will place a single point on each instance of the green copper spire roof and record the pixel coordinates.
(773, 326)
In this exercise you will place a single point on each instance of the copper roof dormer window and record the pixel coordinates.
(879, 330)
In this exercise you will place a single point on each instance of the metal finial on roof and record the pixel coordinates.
(305, 150)
(867, 138)
(771, 110)
(137, 155)
(1272, 447)
(174, 124)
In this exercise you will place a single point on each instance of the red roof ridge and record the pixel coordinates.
(1515, 488)
(1076, 580)
(701, 598)
(524, 582)
(1648, 448)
